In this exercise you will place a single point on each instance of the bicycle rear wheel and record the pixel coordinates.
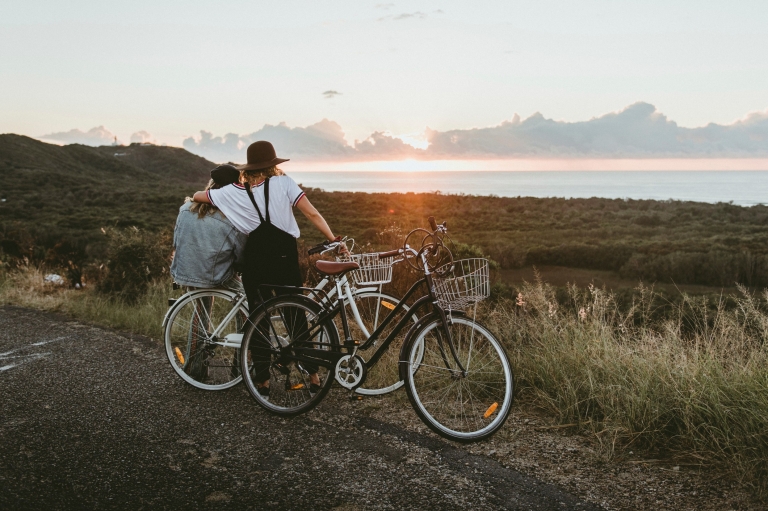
(373, 307)
(196, 339)
(462, 407)
(271, 343)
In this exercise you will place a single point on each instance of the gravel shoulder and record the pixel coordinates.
(94, 419)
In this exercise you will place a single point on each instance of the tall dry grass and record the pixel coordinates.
(695, 383)
(25, 287)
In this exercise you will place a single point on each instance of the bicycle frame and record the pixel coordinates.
(238, 299)
(329, 313)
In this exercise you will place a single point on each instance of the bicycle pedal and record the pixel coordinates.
(351, 343)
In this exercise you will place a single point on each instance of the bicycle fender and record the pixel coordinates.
(411, 336)
(369, 289)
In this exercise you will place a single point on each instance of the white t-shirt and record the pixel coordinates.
(284, 194)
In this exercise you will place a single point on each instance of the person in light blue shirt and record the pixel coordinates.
(207, 246)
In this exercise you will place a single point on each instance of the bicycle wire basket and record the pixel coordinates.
(372, 269)
(463, 285)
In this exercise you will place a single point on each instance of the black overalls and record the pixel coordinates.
(271, 257)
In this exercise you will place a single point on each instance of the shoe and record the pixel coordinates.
(314, 388)
(263, 391)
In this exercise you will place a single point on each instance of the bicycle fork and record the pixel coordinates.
(449, 340)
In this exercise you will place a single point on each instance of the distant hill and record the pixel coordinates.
(77, 187)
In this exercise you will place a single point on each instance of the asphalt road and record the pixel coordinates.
(92, 419)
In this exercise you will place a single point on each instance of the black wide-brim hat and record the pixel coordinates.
(261, 155)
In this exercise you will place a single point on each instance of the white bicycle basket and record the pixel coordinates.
(466, 284)
(372, 269)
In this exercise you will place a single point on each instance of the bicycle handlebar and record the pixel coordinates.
(321, 247)
(390, 253)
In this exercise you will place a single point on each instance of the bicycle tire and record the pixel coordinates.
(198, 359)
(461, 408)
(280, 317)
(384, 377)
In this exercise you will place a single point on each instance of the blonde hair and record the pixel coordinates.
(203, 208)
(254, 176)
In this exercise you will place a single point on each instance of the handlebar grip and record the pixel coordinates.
(390, 253)
(432, 223)
(317, 249)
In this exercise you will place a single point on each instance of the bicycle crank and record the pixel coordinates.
(350, 371)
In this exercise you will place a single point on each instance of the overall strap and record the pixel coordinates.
(253, 201)
(266, 198)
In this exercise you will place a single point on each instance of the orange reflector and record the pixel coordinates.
(490, 410)
(388, 305)
(179, 355)
(298, 386)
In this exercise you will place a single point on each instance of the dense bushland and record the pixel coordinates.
(143, 186)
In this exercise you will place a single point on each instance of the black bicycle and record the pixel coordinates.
(456, 373)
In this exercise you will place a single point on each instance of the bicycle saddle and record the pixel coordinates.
(335, 268)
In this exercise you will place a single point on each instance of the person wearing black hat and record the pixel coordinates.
(207, 247)
(261, 205)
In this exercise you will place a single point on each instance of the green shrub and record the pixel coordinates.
(715, 268)
(135, 258)
(593, 257)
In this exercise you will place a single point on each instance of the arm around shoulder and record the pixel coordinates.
(201, 197)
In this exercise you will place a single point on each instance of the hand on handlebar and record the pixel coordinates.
(326, 246)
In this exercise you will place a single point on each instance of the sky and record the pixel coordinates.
(490, 84)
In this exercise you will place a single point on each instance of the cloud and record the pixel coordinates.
(322, 140)
(142, 137)
(383, 6)
(406, 15)
(330, 94)
(637, 131)
(384, 146)
(94, 137)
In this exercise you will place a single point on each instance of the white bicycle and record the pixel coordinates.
(203, 328)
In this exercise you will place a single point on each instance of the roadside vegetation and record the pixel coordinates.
(684, 379)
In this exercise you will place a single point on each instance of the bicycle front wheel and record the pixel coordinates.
(372, 308)
(277, 336)
(462, 406)
(202, 339)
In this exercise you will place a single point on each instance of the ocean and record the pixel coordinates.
(745, 188)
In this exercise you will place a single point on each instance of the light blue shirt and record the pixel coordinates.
(206, 248)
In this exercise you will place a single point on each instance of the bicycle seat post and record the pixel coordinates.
(348, 341)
